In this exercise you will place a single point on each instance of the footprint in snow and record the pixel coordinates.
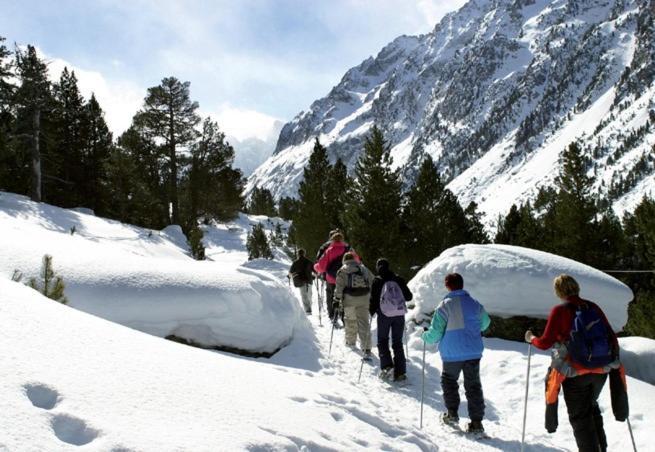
(72, 430)
(42, 396)
(298, 399)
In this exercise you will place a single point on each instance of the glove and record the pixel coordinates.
(529, 336)
(336, 303)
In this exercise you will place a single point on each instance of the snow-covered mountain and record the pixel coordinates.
(250, 153)
(494, 94)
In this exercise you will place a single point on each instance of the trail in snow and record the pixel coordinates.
(394, 409)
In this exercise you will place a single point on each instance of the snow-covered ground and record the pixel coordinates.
(77, 381)
(146, 279)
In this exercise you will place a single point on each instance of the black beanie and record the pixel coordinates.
(382, 265)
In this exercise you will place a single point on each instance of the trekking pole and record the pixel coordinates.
(320, 303)
(525, 405)
(423, 381)
(368, 342)
(336, 313)
(634, 446)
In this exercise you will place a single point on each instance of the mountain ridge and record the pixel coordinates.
(494, 93)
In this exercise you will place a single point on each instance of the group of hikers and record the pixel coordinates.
(584, 347)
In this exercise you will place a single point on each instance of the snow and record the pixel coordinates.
(515, 281)
(78, 381)
(146, 280)
(638, 357)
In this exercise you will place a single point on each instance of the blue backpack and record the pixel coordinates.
(589, 344)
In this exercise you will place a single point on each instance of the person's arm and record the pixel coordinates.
(340, 285)
(485, 320)
(374, 302)
(403, 287)
(321, 265)
(437, 326)
(552, 330)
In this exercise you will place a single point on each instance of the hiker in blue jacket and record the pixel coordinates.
(456, 325)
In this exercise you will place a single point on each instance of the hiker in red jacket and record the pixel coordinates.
(329, 263)
(585, 350)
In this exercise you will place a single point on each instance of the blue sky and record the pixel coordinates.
(249, 61)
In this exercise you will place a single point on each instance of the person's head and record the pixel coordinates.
(382, 266)
(301, 252)
(566, 286)
(336, 236)
(454, 281)
(348, 257)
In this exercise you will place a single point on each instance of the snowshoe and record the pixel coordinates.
(368, 357)
(385, 374)
(450, 419)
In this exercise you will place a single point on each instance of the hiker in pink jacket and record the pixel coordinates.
(329, 263)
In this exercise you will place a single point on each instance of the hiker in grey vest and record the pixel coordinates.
(352, 291)
(389, 293)
(302, 275)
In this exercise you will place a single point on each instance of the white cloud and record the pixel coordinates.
(434, 10)
(120, 99)
(243, 124)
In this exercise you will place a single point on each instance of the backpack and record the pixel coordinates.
(392, 300)
(357, 284)
(335, 264)
(589, 344)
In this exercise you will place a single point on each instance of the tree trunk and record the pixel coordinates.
(35, 194)
(171, 140)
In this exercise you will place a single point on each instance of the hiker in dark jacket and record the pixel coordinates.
(456, 325)
(301, 273)
(329, 263)
(385, 286)
(581, 382)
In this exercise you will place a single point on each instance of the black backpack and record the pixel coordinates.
(335, 264)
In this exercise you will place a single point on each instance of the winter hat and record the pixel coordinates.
(337, 237)
(348, 257)
(382, 265)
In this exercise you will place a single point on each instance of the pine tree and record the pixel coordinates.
(169, 115)
(312, 221)
(64, 163)
(257, 243)
(508, 227)
(196, 245)
(97, 147)
(423, 234)
(573, 217)
(372, 213)
(336, 193)
(262, 203)
(33, 99)
(213, 187)
(49, 284)
(288, 208)
(475, 228)
(8, 165)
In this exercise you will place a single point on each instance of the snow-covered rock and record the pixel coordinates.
(638, 357)
(146, 279)
(494, 94)
(512, 281)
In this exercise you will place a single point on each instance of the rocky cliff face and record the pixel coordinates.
(494, 94)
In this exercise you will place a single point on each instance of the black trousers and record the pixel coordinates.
(395, 325)
(329, 296)
(581, 397)
(472, 387)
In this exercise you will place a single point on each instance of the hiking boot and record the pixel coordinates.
(399, 378)
(385, 374)
(367, 353)
(450, 418)
(475, 427)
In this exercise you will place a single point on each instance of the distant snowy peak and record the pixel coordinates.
(494, 93)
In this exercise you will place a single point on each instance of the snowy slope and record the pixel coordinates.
(511, 280)
(146, 280)
(80, 382)
(494, 94)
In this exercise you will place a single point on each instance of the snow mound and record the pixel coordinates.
(511, 281)
(146, 280)
(638, 357)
